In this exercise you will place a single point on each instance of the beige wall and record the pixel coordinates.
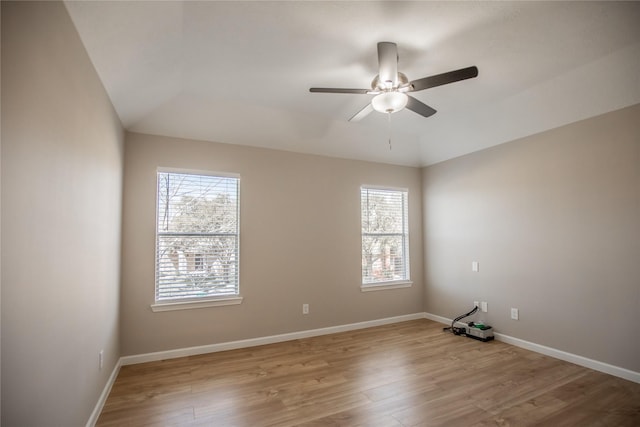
(61, 209)
(300, 243)
(554, 221)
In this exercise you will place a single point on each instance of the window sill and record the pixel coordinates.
(386, 286)
(187, 305)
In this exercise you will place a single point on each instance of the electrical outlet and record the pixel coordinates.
(476, 304)
(514, 314)
(101, 359)
(475, 266)
(305, 308)
(484, 306)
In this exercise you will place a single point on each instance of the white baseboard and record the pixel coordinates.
(93, 419)
(573, 358)
(558, 354)
(212, 348)
(438, 319)
(252, 342)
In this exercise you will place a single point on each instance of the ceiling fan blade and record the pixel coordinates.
(362, 113)
(444, 78)
(388, 63)
(337, 90)
(419, 107)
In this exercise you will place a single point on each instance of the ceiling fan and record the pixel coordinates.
(391, 86)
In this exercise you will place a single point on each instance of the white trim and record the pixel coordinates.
(555, 353)
(93, 419)
(386, 285)
(252, 342)
(384, 188)
(171, 305)
(406, 257)
(438, 319)
(570, 357)
(211, 348)
(187, 305)
(162, 169)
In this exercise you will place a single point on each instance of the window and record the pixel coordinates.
(385, 237)
(197, 237)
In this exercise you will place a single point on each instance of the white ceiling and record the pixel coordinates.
(240, 72)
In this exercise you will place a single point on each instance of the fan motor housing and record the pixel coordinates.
(379, 85)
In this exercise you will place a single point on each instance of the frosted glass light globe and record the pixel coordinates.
(389, 102)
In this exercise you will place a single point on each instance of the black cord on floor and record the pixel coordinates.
(458, 331)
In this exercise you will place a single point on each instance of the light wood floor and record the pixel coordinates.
(405, 374)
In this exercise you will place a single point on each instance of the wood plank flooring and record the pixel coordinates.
(405, 374)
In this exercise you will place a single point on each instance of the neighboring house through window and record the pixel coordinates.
(385, 237)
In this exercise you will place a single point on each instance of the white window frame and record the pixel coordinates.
(405, 282)
(191, 302)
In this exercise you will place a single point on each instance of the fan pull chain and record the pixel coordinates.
(389, 115)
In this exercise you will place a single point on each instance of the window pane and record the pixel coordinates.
(197, 203)
(383, 213)
(197, 236)
(382, 258)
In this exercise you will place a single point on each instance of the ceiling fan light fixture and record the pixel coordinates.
(389, 102)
